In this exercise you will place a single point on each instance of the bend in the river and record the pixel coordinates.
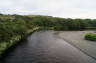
(44, 47)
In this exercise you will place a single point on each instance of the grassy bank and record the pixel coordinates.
(90, 36)
(14, 40)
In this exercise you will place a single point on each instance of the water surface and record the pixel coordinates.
(45, 47)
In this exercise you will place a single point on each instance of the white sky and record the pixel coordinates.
(58, 8)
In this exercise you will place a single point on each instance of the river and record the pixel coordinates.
(45, 47)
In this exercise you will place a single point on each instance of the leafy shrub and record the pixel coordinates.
(90, 36)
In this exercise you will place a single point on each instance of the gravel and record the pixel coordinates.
(76, 38)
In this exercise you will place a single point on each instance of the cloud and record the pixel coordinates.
(58, 8)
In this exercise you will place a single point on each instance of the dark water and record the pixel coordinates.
(44, 47)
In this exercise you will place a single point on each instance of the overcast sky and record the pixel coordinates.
(58, 8)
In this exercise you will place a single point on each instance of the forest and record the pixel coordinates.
(15, 27)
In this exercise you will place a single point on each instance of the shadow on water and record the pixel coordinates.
(12, 49)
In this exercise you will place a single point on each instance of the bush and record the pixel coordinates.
(90, 36)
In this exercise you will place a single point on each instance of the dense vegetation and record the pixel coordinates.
(90, 36)
(63, 23)
(15, 27)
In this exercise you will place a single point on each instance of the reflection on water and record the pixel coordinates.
(44, 47)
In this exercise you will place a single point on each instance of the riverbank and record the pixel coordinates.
(4, 46)
(76, 38)
(14, 40)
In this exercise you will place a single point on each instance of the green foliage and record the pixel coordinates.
(13, 27)
(42, 21)
(90, 36)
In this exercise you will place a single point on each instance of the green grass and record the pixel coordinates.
(14, 40)
(90, 36)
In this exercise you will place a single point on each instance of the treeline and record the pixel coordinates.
(13, 27)
(64, 23)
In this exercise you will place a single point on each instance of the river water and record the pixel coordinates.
(45, 47)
